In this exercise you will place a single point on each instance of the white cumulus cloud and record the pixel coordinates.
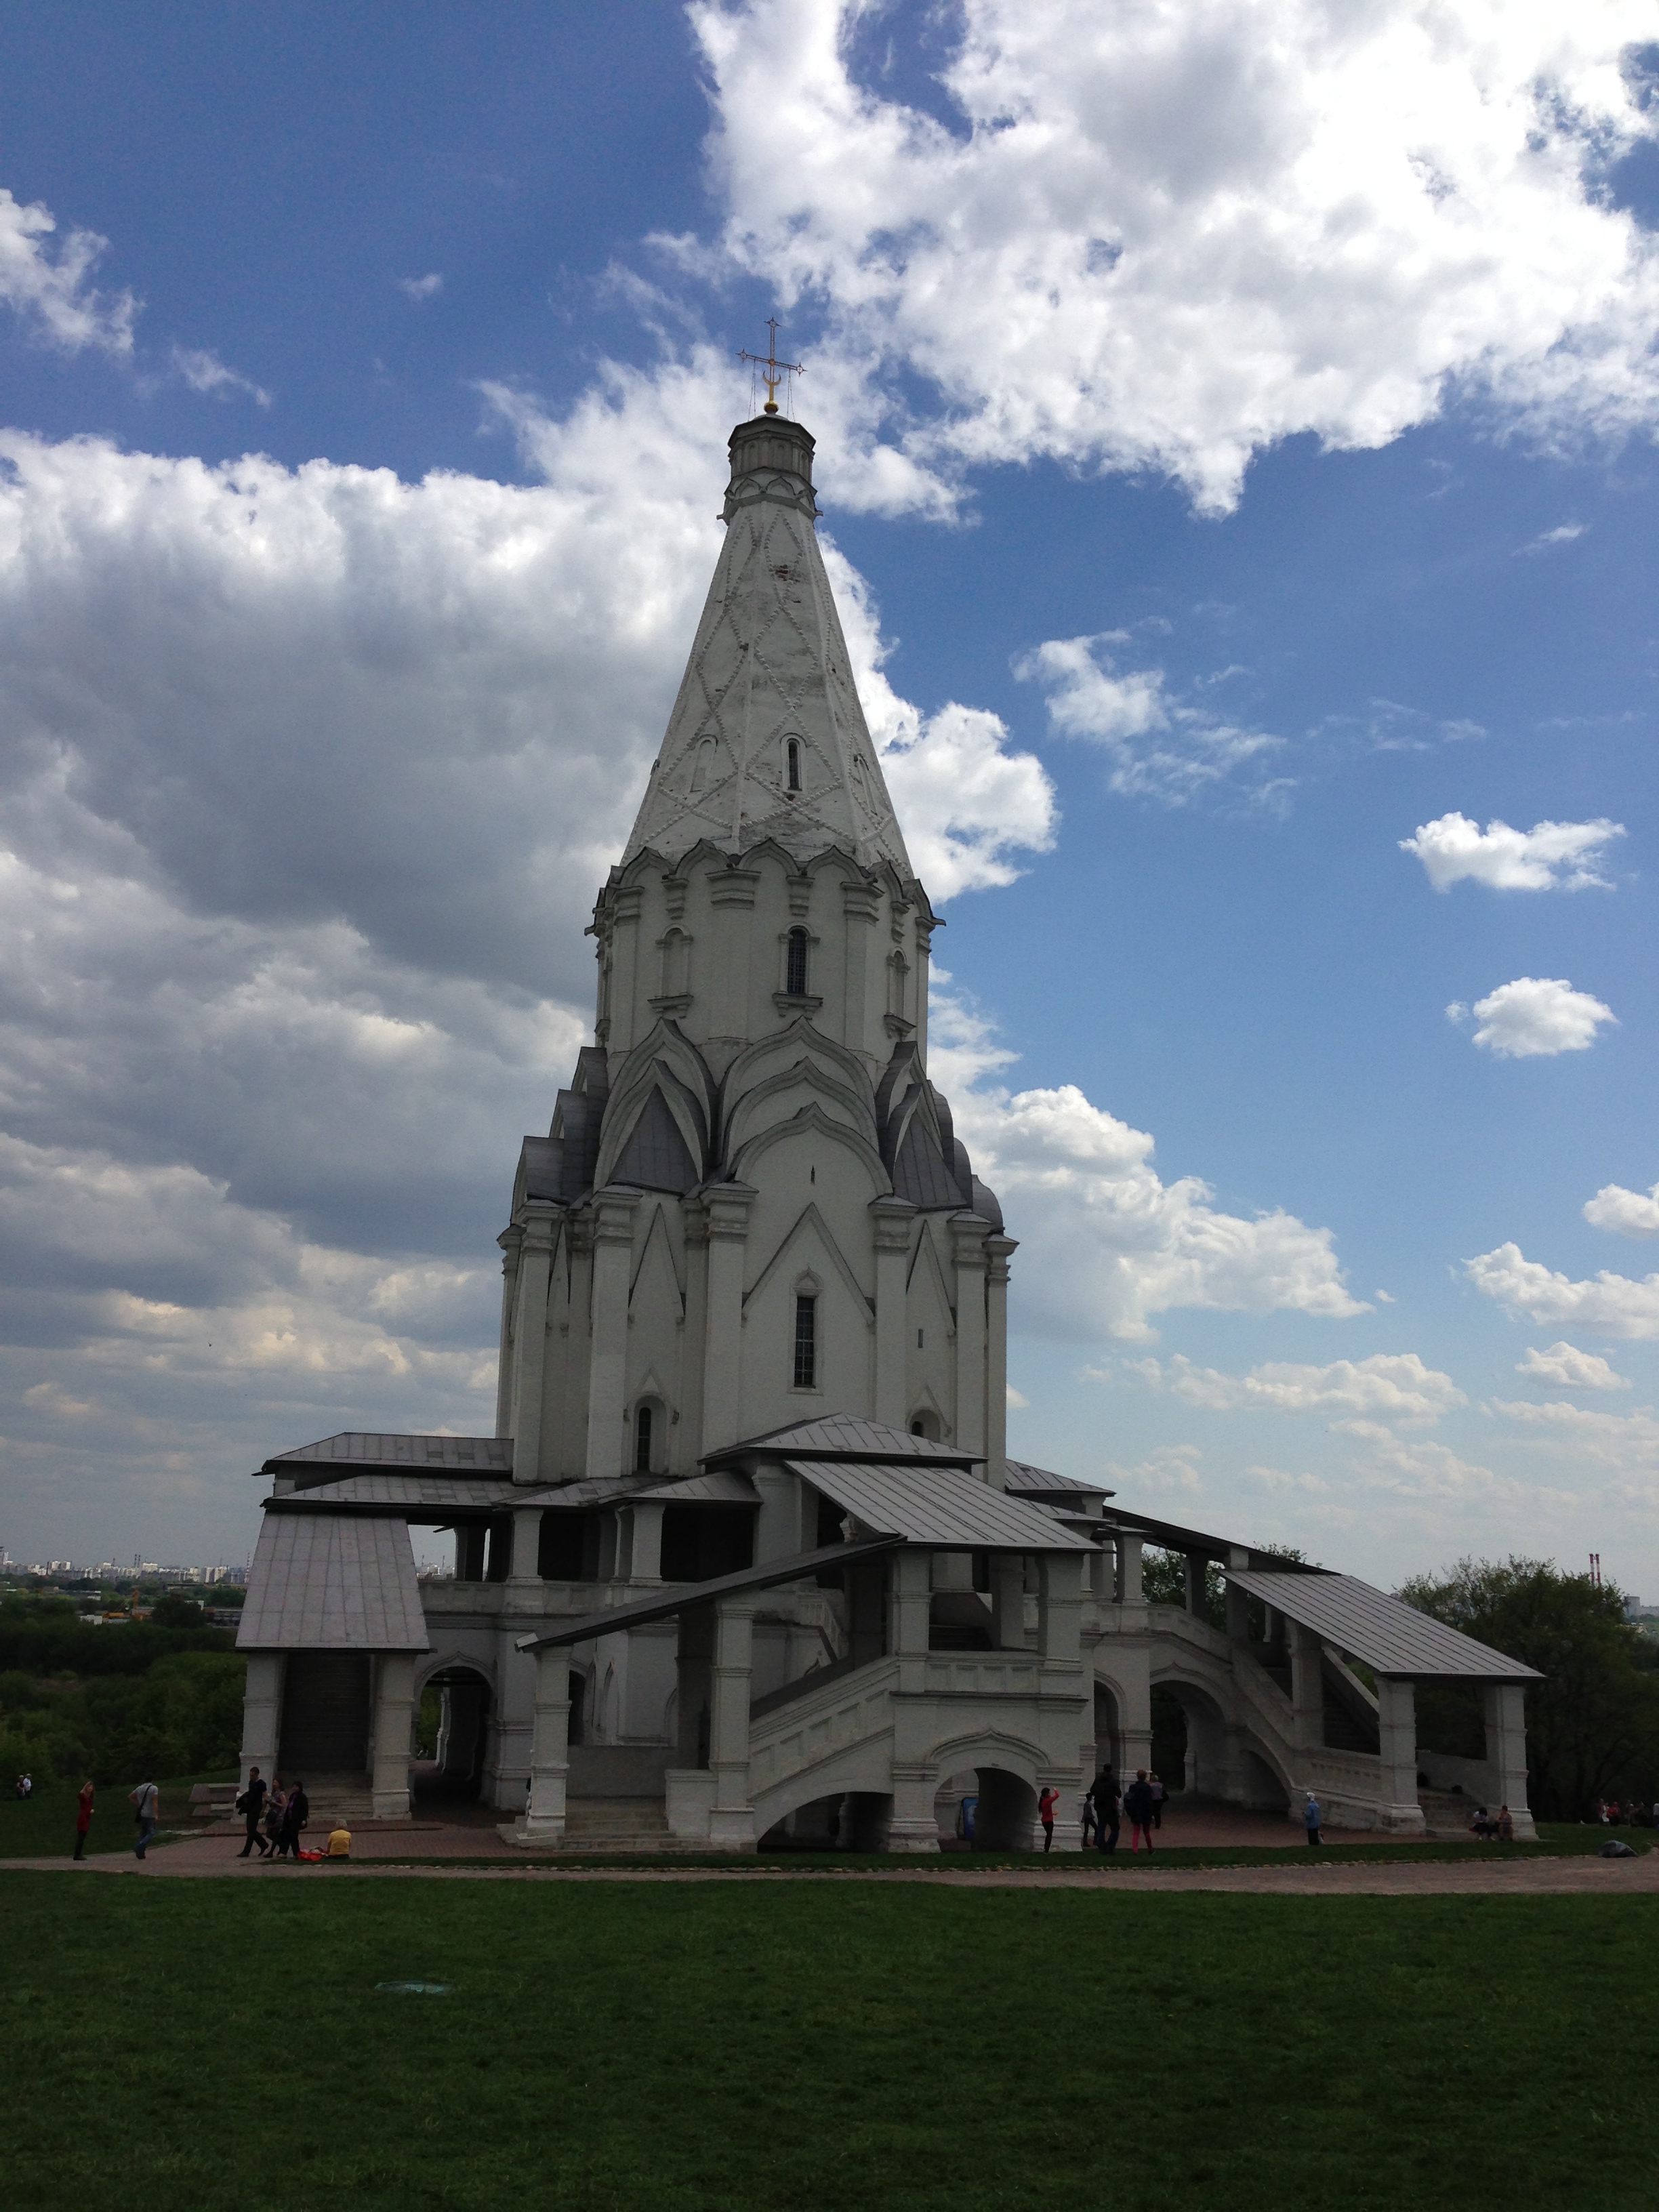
(1160, 746)
(420, 288)
(1627, 1212)
(49, 289)
(1161, 235)
(1535, 1018)
(204, 371)
(1550, 856)
(1569, 1368)
(1106, 1243)
(1386, 1387)
(1610, 1305)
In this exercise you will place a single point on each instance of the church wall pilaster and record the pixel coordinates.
(628, 986)
(997, 1250)
(686, 1443)
(892, 1220)
(860, 911)
(731, 903)
(967, 1240)
(510, 1239)
(530, 1337)
(726, 1208)
(607, 1362)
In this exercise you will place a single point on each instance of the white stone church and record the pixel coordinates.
(746, 1561)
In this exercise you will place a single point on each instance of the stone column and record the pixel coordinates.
(613, 1252)
(262, 1712)
(1238, 1613)
(778, 1534)
(725, 1207)
(968, 1235)
(1059, 1608)
(533, 1274)
(1010, 1600)
(1196, 1566)
(1131, 1571)
(544, 1816)
(909, 1602)
(527, 1545)
(1307, 1686)
(1396, 1723)
(891, 1217)
(685, 1436)
(997, 1250)
(645, 1545)
(861, 907)
(732, 1819)
(1506, 1751)
(394, 1718)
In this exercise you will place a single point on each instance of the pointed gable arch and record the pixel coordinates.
(793, 1249)
(927, 1275)
(656, 1156)
(811, 1119)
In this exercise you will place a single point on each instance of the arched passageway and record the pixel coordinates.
(453, 1729)
(987, 1809)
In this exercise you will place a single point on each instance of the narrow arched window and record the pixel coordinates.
(643, 1440)
(794, 982)
(792, 764)
(806, 1342)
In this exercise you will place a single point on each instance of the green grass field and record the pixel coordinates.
(818, 2047)
(43, 1826)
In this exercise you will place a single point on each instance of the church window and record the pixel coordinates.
(795, 965)
(922, 1339)
(807, 1343)
(702, 765)
(792, 764)
(643, 1440)
(917, 1430)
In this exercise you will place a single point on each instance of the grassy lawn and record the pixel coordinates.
(737, 2048)
(43, 1826)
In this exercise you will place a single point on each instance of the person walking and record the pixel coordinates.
(252, 1805)
(1137, 1804)
(147, 1800)
(296, 1815)
(1311, 1819)
(1106, 1798)
(82, 1819)
(1159, 1795)
(276, 1806)
(1046, 1804)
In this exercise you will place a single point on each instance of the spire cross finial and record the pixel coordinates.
(772, 370)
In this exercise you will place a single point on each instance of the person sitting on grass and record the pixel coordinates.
(1505, 1824)
(1483, 1824)
(339, 1843)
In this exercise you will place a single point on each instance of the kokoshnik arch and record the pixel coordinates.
(746, 1553)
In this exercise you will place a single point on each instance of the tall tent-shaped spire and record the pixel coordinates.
(767, 739)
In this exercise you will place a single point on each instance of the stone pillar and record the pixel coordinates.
(968, 1235)
(394, 1719)
(1506, 1752)
(1196, 1564)
(544, 1816)
(725, 1207)
(997, 1250)
(1396, 1723)
(262, 1712)
(1131, 1571)
(526, 1545)
(909, 1602)
(861, 906)
(732, 1819)
(1010, 1600)
(532, 1277)
(891, 1217)
(1238, 1613)
(613, 1252)
(1307, 1686)
(471, 1541)
(685, 1444)
(645, 1542)
(1060, 1608)
(777, 1528)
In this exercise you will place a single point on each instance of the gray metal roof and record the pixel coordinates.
(333, 1582)
(365, 1448)
(413, 1490)
(722, 1485)
(846, 1436)
(1026, 1481)
(1387, 1634)
(941, 1505)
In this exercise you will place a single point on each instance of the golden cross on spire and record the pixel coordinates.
(772, 370)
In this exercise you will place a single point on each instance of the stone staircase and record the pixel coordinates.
(605, 1827)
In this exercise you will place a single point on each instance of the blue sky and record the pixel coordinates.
(1236, 433)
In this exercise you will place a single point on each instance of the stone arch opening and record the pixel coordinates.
(1189, 1740)
(847, 1820)
(986, 1808)
(457, 1707)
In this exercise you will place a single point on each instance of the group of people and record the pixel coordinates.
(276, 1814)
(1107, 1802)
(1610, 1815)
(24, 1785)
(1490, 1827)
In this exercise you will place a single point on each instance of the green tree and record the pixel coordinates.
(1593, 1721)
